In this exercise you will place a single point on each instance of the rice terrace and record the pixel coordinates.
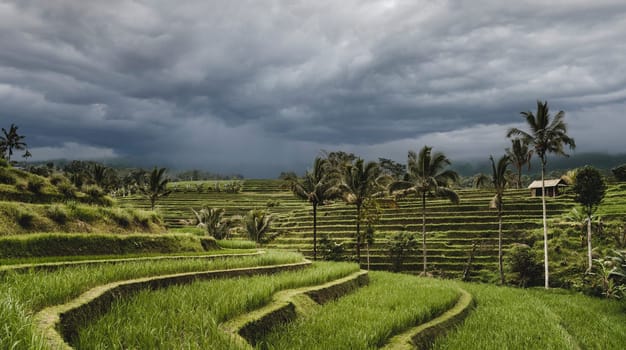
(312, 175)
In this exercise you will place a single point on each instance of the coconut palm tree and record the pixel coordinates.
(426, 177)
(318, 186)
(546, 136)
(11, 140)
(257, 223)
(498, 181)
(155, 186)
(519, 155)
(359, 183)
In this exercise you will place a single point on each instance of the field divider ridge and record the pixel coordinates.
(59, 324)
(51, 266)
(423, 335)
(287, 305)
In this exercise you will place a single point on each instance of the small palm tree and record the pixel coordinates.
(214, 222)
(318, 186)
(258, 224)
(519, 155)
(154, 186)
(11, 140)
(498, 181)
(546, 136)
(426, 177)
(360, 182)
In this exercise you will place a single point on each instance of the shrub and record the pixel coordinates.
(57, 179)
(523, 262)
(3, 163)
(21, 186)
(25, 218)
(35, 185)
(67, 189)
(331, 250)
(619, 172)
(93, 191)
(121, 217)
(57, 213)
(6, 177)
(401, 245)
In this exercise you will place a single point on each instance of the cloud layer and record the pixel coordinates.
(260, 87)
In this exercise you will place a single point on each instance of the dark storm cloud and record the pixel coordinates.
(236, 83)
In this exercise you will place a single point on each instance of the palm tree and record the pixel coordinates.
(426, 177)
(360, 182)
(155, 186)
(519, 155)
(546, 136)
(498, 181)
(257, 224)
(214, 222)
(317, 187)
(10, 140)
(100, 174)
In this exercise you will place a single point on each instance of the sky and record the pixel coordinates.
(260, 87)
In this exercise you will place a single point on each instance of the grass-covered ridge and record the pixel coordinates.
(175, 322)
(63, 244)
(23, 294)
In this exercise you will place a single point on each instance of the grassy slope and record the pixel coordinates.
(451, 229)
(21, 295)
(508, 318)
(175, 322)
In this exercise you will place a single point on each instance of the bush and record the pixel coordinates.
(58, 214)
(619, 172)
(401, 245)
(93, 191)
(25, 218)
(35, 185)
(121, 217)
(331, 250)
(57, 179)
(67, 189)
(522, 261)
(6, 177)
(3, 163)
(39, 245)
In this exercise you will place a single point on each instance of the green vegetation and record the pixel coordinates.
(547, 137)
(155, 186)
(19, 218)
(62, 244)
(25, 293)
(369, 316)
(174, 320)
(426, 177)
(535, 319)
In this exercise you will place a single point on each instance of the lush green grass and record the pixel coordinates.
(508, 318)
(186, 317)
(236, 244)
(111, 257)
(21, 295)
(367, 318)
(62, 244)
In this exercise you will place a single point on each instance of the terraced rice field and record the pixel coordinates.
(452, 229)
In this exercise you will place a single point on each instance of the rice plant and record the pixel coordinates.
(186, 317)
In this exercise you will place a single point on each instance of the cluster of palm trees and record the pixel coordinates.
(9, 141)
(357, 182)
(427, 176)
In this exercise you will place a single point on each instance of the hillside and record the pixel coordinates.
(453, 231)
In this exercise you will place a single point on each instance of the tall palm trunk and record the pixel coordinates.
(545, 224)
(314, 231)
(358, 234)
(424, 229)
(589, 241)
(500, 265)
(519, 177)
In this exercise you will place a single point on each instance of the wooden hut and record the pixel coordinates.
(552, 187)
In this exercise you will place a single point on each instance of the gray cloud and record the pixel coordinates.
(254, 86)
